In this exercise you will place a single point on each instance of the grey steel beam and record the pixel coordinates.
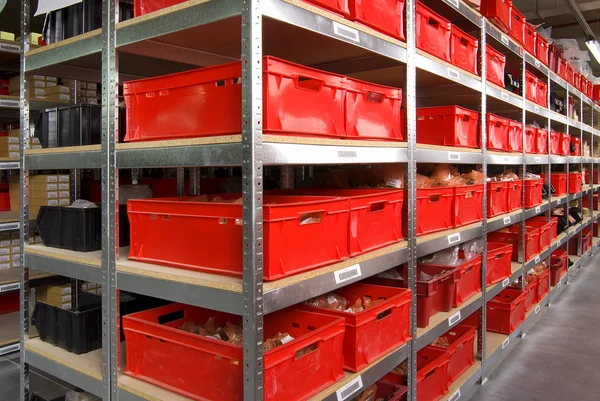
(63, 267)
(85, 45)
(63, 160)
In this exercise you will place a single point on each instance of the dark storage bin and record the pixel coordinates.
(74, 125)
(79, 18)
(77, 229)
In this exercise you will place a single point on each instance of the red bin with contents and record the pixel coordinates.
(497, 198)
(434, 209)
(575, 146)
(499, 12)
(515, 136)
(386, 16)
(159, 351)
(463, 50)
(337, 6)
(518, 24)
(541, 49)
(496, 62)
(499, 265)
(555, 140)
(530, 294)
(530, 139)
(541, 146)
(515, 195)
(447, 126)
(558, 266)
(497, 131)
(530, 39)
(459, 343)
(565, 144)
(575, 182)
(510, 235)
(543, 285)
(165, 231)
(433, 33)
(531, 86)
(533, 193)
(506, 311)
(435, 294)
(468, 202)
(374, 331)
(432, 373)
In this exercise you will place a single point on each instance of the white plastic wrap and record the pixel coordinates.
(447, 257)
(473, 248)
(83, 204)
(127, 192)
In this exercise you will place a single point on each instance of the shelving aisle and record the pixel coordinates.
(565, 344)
(282, 27)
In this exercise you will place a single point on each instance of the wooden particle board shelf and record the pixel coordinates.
(10, 216)
(493, 342)
(445, 233)
(93, 258)
(440, 317)
(14, 275)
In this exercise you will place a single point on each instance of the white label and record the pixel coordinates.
(454, 74)
(559, 284)
(504, 39)
(454, 319)
(559, 201)
(537, 309)
(9, 349)
(505, 343)
(452, 2)
(538, 209)
(453, 156)
(505, 282)
(9, 287)
(506, 159)
(504, 96)
(558, 243)
(537, 260)
(453, 238)
(537, 159)
(345, 154)
(536, 108)
(537, 63)
(346, 32)
(349, 389)
(506, 220)
(455, 396)
(347, 273)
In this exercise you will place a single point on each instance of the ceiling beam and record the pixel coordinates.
(559, 11)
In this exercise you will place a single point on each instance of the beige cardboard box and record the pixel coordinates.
(36, 203)
(5, 140)
(59, 97)
(50, 84)
(7, 36)
(51, 79)
(15, 241)
(64, 178)
(15, 264)
(10, 155)
(60, 289)
(51, 90)
(5, 266)
(91, 93)
(43, 178)
(52, 186)
(92, 86)
(15, 133)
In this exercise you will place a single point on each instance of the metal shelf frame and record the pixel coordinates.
(250, 297)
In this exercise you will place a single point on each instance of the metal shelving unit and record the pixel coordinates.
(244, 29)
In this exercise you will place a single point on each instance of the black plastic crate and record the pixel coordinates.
(77, 229)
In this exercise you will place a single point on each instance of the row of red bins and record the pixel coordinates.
(561, 67)
(439, 37)
(439, 367)
(564, 144)
(539, 234)
(560, 185)
(558, 266)
(9, 302)
(324, 226)
(325, 342)
(537, 289)
(386, 16)
(506, 196)
(297, 100)
(536, 90)
(586, 242)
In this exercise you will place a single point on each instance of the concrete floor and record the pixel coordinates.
(558, 359)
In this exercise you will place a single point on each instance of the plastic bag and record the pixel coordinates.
(447, 257)
(127, 192)
(474, 178)
(329, 301)
(83, 204)
(531, 176)
(368, 395)
(393, 175)
(472, 249)
(391, 274)
(508, 175)
(424, 181)
(75, 396)
(444, 175)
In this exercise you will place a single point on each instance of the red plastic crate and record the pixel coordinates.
(559, 182)
(374, 332)
(515, 136)
(533, 193)
(587, 240)
(432, 373)
(543, 285)
(386, 16)
(586, 204)
(433, 33)
(515, 195)
(542, 93)
(468, 202)
(583, 85)
(563, 67)
(575, 182)
(510, 235)
(553, 224)
(461, 351)
(390, 391)
(570, 74)
(545, 232)
(530, 139)
(10, 302)
(337, 6)
(469, 283)
(531, 86)
(541, 49)
(530, 39)
(596, 93)
(448, 126)
(165, 231)
(495, 62)
(160, 353)
(437, 294)
(497, 131)
(541, 136)
(497, 198)
(590, 89)
(576, 143)
(373, 111)
(499, 265)
(434, 209)
(577, 80)
(530, 295)
(4, 201)
(141, 7)
(587, 177)
(518, 24)
(463, 50)
(558, 266)
(499, 12)
(555, 141)
(297, 100)
(375, 215)
(506, 311)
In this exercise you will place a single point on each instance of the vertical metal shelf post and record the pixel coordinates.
(24, 218)
(252, 194)
(481, 339)
(411, 171)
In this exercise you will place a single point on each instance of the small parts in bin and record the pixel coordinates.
(337, 302)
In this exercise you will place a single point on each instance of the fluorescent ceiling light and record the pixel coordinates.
(594, 48)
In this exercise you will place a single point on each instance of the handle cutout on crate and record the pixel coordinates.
(429, 374)
(433, 23)
(464, 42)
(377, 206)
(384, 314)
(375, 97)
(302, 352)
(498, 257)
(311, 218)
(309, 83)
(434, 198)
(170, 317)
(219, 83)
(469, 195)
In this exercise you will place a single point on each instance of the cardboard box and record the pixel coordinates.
(15, 133)
(5, 258)
(36, 203)
(5, 140)
(15, 264)
(43, 178)
(51, 90)
(64, 178)
(5, 250)
(15, 242)
(59, 289)
(91, 93)
(51, 84)
(91, 100)
(5, 266)
(53, 297)
(92, 86)
(7, 36)
(51, 79)
(43, 195)
(59, 97)
(10, 155)
(41, 186)
(33, 38)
